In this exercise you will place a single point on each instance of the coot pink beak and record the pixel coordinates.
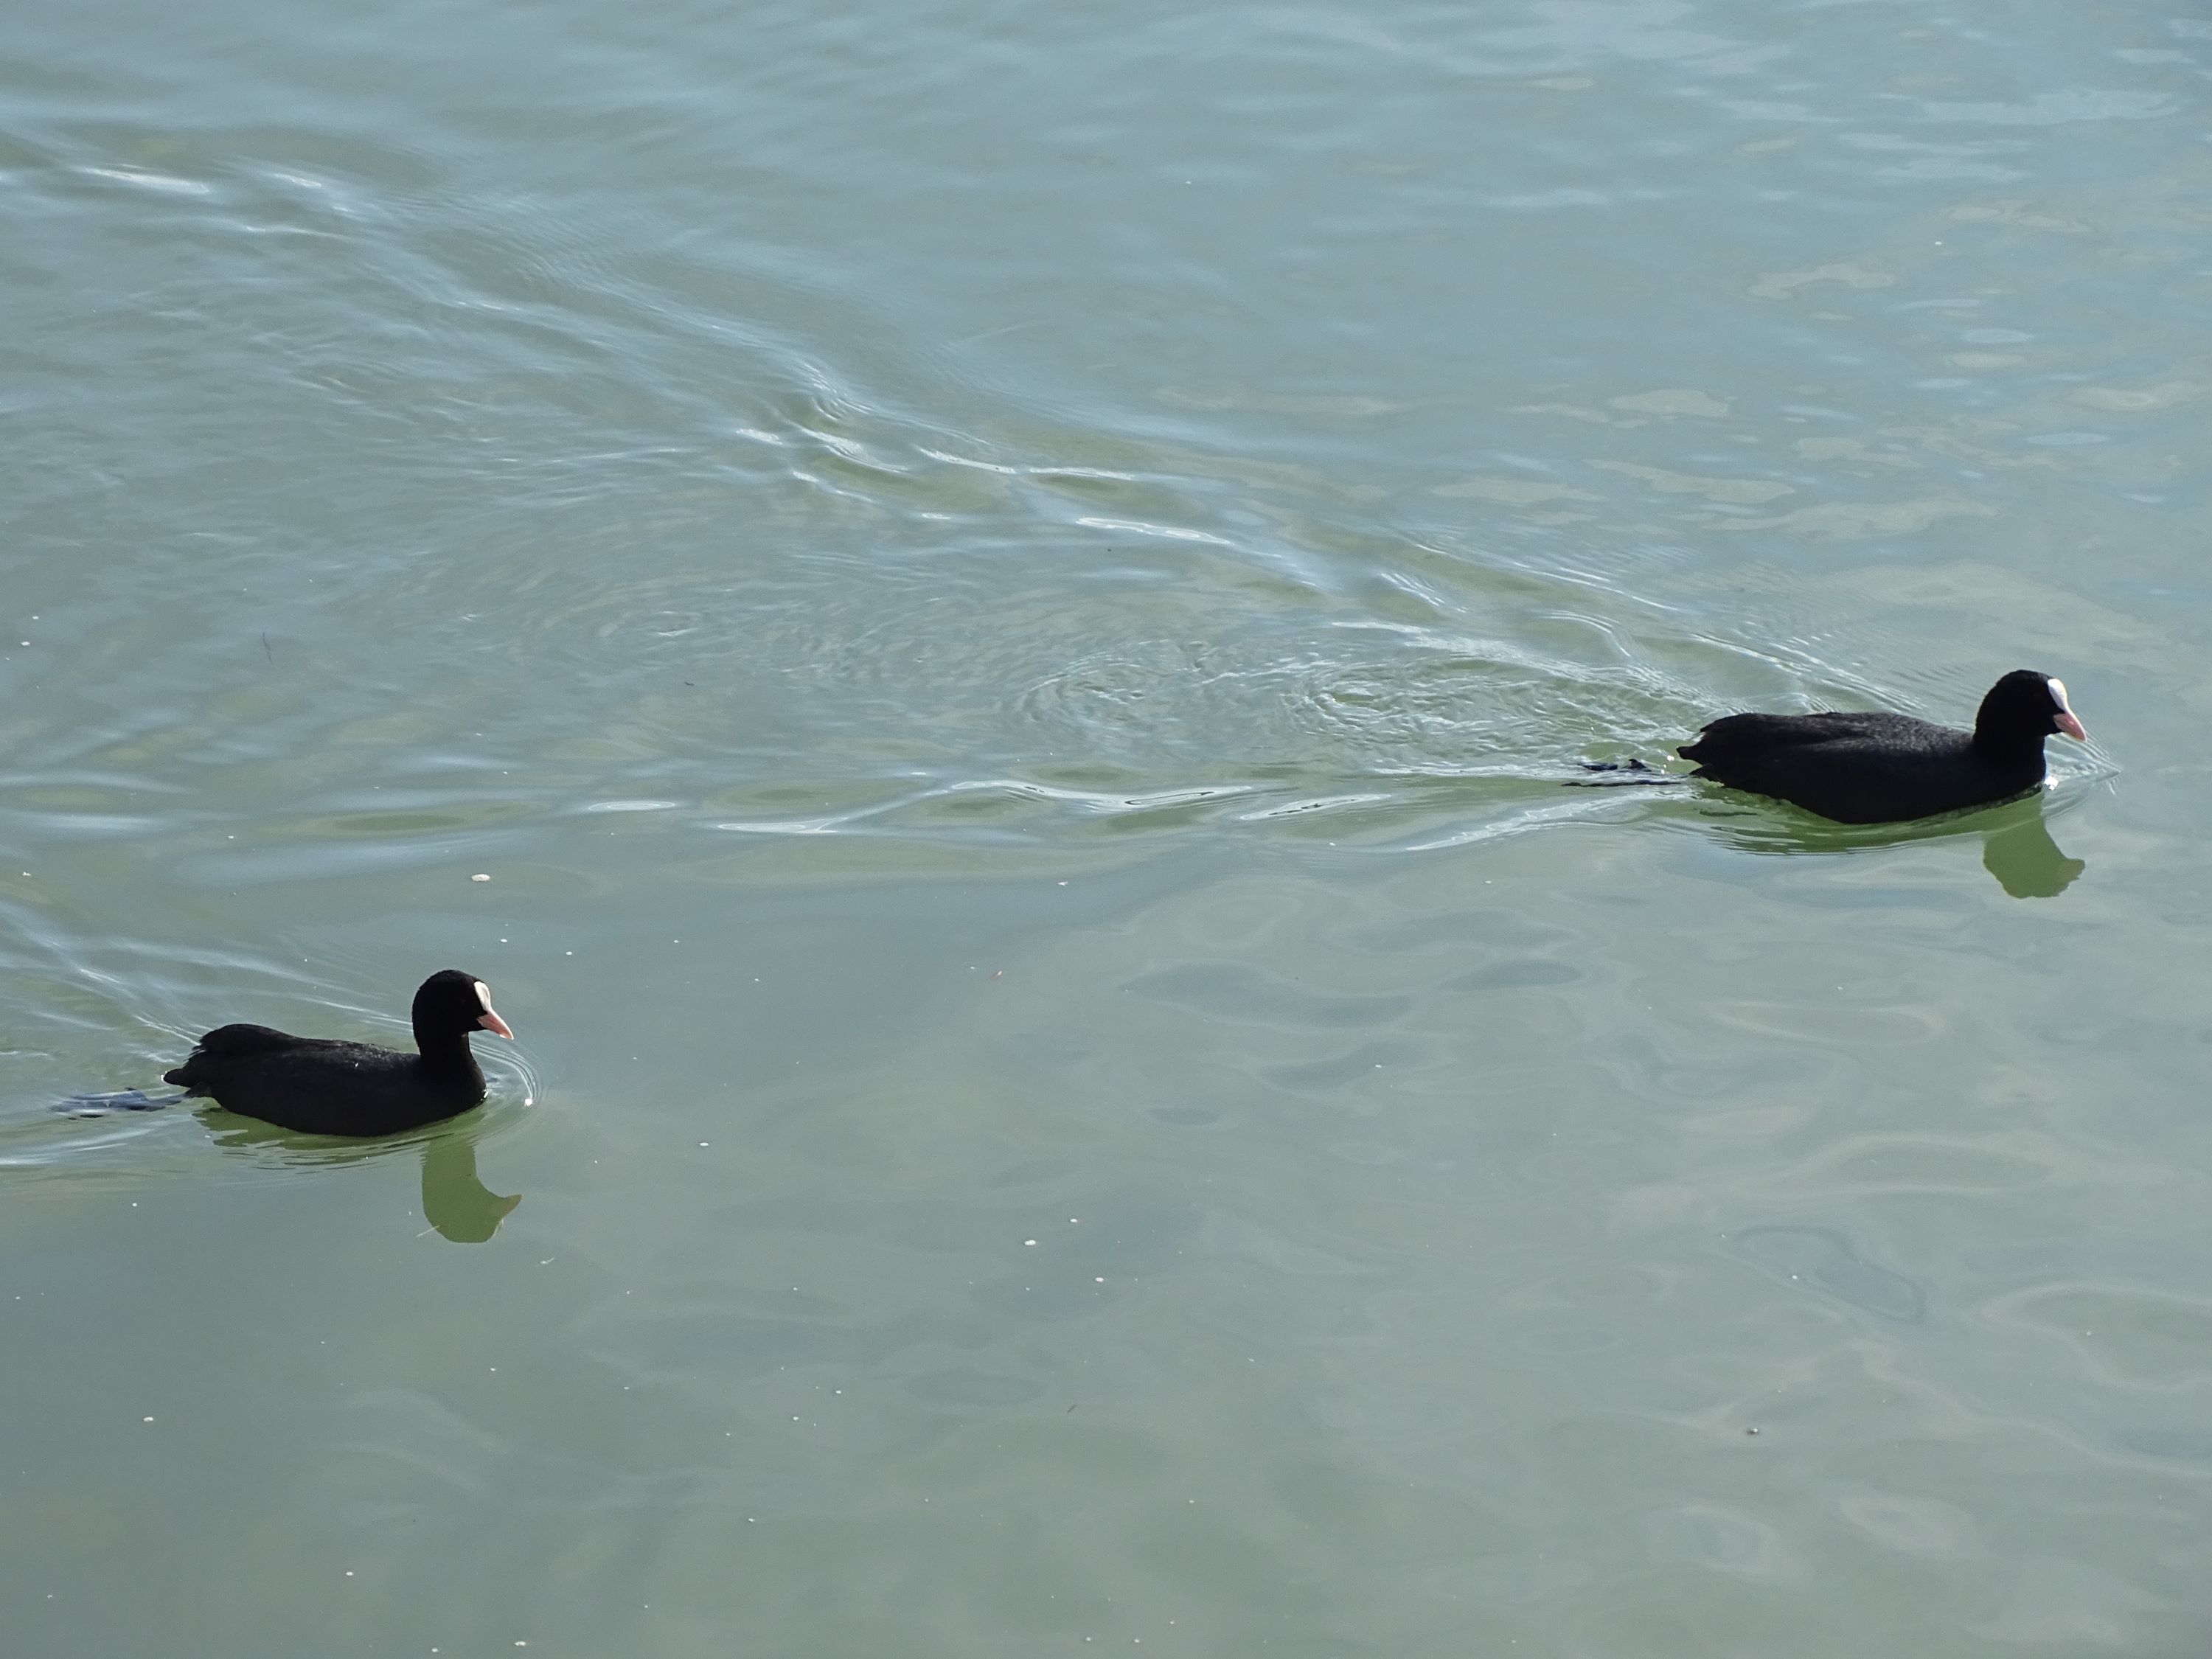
(495, 1025)
(2061, 717)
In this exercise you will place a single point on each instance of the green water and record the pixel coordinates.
(1004, 597)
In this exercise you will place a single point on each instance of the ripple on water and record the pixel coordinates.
(2129, 1336)
(1824, 1259)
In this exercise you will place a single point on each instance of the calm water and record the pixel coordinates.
(1003, 596)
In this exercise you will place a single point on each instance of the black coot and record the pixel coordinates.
(324, 1088)
(1883, 769)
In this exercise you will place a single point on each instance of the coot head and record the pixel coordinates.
(2025, 708)
(452, 1002)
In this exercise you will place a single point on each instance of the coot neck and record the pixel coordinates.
(447, 1050)
(2009, 748)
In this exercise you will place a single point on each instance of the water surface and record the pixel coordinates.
(1004, 599)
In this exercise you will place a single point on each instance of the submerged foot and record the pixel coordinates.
(1619, 775)
(122, 1100)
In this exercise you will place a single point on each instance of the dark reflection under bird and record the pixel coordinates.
(455, 1201)
(2017, 847)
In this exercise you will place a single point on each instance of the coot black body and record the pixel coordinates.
(1885, 769)
(324, 1088)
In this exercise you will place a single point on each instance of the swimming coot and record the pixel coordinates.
(324, 1088)
(1883, 769)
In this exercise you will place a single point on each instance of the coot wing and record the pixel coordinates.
(228, 1039)
(229, 1043)
(1750, 734)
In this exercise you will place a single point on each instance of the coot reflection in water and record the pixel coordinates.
(455, 1201)
(2017, 847)
(2027, 862)
(460, 1207)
